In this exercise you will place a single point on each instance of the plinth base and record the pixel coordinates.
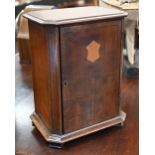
(57, 141)
(56, 145)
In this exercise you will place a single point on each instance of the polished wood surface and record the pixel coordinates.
(74, 15)
(41, 81)
(90, 89)
(112, 141)
(73, 96)
(46, 76)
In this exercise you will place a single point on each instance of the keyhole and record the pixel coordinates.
(65, 83)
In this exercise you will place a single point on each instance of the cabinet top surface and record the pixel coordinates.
(73, 15)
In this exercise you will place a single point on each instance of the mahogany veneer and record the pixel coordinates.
(77, 61)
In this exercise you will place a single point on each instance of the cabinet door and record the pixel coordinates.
(90, 66)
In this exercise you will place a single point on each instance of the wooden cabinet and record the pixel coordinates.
(76, 61)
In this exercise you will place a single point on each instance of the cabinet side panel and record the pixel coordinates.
(54, 60)
(121, 61)
(41, 76)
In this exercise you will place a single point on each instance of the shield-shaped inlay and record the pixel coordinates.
(93, 51)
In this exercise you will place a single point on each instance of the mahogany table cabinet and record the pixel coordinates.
(76, 61)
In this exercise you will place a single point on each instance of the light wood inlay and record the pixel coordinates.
(93, 51)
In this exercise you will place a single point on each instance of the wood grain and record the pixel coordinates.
(72, 93)
(41, 77)
(46, 74)
(90, 90)
(113, 141)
